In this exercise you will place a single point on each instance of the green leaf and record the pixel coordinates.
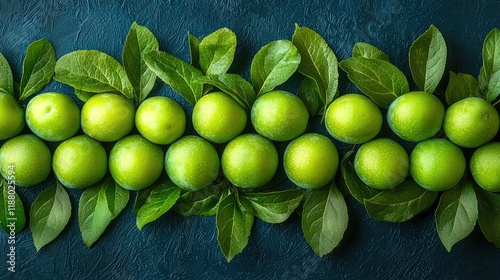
(12, 216)
(456, 214)
(461, 86)
(310, 95)
(273, 64)
(489, 215)
(427, 57)
(140, 40)
(160, 199)
(176, 73)
(357, 188)
(38, 68)
(93, 71)
(401, 203)
(234, 85)
(489, 75)
(217, 51)
(380, 80)
(6, 78)
(234, 224)
(98, 206)
(324, 219)
(368, 51)
(49, 214)
(194, 49)
(200, 203)
(275, 207)
(318, 62)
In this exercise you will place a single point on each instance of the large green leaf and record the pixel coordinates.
(176, 73)
(456, 214)
(139, 41)
(93, 71)
(38, 68)
(49, 214)
(380, 80)
(324, 219)
(216, 51)
(427, 57)
(234, 224)
(98, 206)
(401, 203)
(273, 65)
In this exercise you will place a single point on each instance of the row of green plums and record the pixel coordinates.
(248, 160)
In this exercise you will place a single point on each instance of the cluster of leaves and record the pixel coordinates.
(323, 211)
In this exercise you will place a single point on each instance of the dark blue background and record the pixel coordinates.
(186, 248)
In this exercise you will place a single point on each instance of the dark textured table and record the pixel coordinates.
(176, 247)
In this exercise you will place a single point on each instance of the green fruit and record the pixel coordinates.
(471, 122)
(485, 166)
(80, 162)
(416, 116)
(27, 158)
(160, 119)
(249, 161)
(382, 163)
(218, 118)
(135, 163)
(107, 117)
(311, 161)
(192, 163)
(279, 115)
(53, 116)
(437, 164)
(11, 116)
(353, 119)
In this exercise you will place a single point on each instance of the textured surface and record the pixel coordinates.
(186, 248)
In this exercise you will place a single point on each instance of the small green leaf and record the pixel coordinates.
(310, 95)
(140, 40)
(489, 75)
(461, 86)
(324, 219)
(489, 215)
(456, 214)
(176, 73)
(368, 51)
(117, 199)
(140, 198)
(98, 206)
(234, 225)
(6, 78)
(401, 203)
(273, 64)
(357, 188)
(49, 214)
(234, 85)
(380, 80)
(427, 57)
(200, 203)
(93, 71)
(217, 51)
(38, 68)
(160, 199)
(194, 49)
(83, 95)
(318, 62)
(12, 216)
(275, 207)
